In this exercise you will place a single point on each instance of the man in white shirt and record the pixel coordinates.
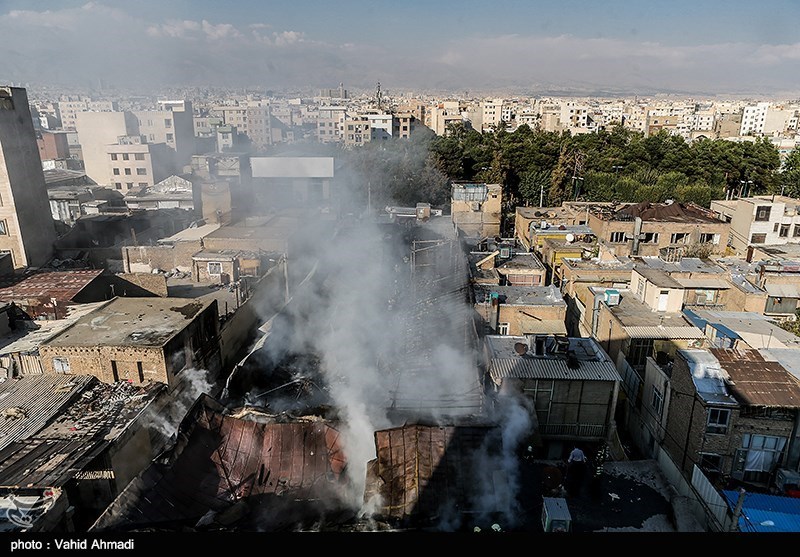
(576, 468)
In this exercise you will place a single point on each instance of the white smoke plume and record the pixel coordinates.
(193, 383)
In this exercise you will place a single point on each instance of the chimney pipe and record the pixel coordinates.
(637, 230)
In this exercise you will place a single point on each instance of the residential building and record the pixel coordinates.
(520, 310)
(53, 145)
(734, 415)
(172, 125)
(134, 163)
(139, 340)
(475, 208)
(758, 220)
(753, 119)
(26, 226)
(68, 110)
(571, 383)
(98, 130)
(669, 229)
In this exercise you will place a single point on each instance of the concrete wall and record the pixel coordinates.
(24, 206)
(97, 361)
(144, 259)
(523, 319)
(267, 298)
(153, 283)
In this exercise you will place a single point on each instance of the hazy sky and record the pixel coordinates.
(701, 46)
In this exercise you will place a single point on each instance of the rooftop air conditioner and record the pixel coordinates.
(612, 297)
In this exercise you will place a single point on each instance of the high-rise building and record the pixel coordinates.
(26, 225)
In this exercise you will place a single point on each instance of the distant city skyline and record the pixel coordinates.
(616, 47)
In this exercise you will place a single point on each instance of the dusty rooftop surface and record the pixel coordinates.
(131, 321)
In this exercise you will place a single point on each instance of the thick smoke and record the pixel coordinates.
(392, 340)
(194, 382)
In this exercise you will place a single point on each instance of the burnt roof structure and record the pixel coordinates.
(244, 471)
(428, 474)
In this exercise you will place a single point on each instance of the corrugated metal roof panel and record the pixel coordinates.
(782, 290)
(39, 399)
(657, 331)
(757, 382)
(766, 513)
(551, 368)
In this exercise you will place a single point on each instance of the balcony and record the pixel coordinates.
(574, 431)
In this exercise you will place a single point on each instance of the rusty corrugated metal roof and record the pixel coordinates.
(756, 381)
(422, 470)
(277, 468)
(61, 285)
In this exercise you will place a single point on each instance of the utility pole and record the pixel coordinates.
(541, 193)
(737, 512)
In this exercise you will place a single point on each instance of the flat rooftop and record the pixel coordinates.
(191, 234)
(657, 277)
(684, 265)
(127, 321)
(522, 295)
(632, 313)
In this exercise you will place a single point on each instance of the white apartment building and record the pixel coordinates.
(763, 219)
(574, 115)
(491, 114)
(135, 163)
(67, 110)
(330, 123)
(753, 119)
(382, 125)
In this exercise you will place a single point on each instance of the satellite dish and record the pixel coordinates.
(537, 214)
(587, 239)
(570, 238)
(520, 348)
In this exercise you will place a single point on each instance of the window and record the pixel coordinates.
(128, 185)
(113, 156)
(127, 172)
(125, 156)
(502, 328)
(705, 297)
(708, 238)
(167, 122)
(758, 238)
(3, 228)
(711, 463)
(796, 232)
(142, 184)
(138, 156)
(170, 137)
(141, 172)
(784, 231)
(118, 185)
(116, 172)
(718, 421)
(640, 349)
(640, 288)
(762, 212)
(657, 402)
(758, 457)
(617, 237)
(61, 365)
(214, 268)
(679, 238)
(650, 238)
(775, 228)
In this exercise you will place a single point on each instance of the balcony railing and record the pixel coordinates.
(589, 431)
